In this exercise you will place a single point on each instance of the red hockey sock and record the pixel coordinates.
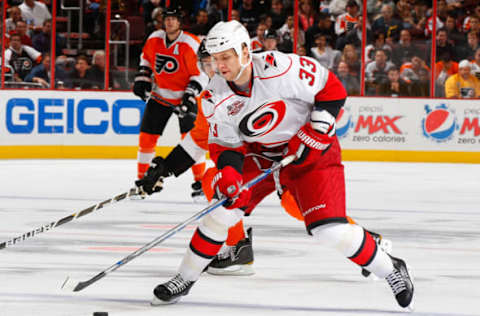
(366, 252)
(235, 234)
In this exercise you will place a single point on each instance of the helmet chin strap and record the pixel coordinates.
(243, 66)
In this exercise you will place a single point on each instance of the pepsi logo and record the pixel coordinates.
(439, 124)
(344, 122)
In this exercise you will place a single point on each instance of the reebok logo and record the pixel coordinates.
(315, 208)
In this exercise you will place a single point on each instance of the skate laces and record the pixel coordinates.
(396, 282)
(177, 284)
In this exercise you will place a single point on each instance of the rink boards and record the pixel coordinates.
(74, 124)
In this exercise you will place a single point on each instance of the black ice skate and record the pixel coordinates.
(235, 260)
(170, 292)
(384, 244)
(197, 192)
(401, 283)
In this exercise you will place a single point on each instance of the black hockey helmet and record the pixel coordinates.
(173, 10)
(270, 34)
(202, 51)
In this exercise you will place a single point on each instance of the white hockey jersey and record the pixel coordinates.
(282, 93)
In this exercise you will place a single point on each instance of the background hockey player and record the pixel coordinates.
(169, 56)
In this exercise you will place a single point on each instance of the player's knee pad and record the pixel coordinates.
(217, 223)
(346, 238)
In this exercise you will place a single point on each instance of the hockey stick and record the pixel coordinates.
(174, 108)
(66, 219)
(76, 286)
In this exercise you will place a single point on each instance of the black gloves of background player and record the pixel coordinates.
(153, 180)
(143, 82)
(189, 108)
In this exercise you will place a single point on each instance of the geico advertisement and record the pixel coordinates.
(409, 124)
(71, 118)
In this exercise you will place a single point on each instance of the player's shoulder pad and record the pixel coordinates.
(157, 34)
(191, 40)
(271, 64)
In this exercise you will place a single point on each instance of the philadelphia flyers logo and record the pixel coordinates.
(263, 120)
(165, 63)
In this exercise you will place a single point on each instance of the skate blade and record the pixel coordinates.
(241, 269)
(158, 302)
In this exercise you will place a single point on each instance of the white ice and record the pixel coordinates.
(431, 212)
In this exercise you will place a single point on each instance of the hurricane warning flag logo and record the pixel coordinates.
(439, 124)
(343, 123)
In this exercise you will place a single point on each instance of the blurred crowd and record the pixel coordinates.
(397, 53)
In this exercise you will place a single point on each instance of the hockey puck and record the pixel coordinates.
(100, 314)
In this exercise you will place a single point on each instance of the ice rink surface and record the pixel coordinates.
(431, 212)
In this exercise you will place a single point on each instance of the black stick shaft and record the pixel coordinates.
(67, 219)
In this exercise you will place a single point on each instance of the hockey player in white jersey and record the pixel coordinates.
(260, 108)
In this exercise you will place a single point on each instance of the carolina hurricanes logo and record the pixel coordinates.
(263, 120)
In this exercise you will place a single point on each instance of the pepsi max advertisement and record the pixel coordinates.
(409, 124)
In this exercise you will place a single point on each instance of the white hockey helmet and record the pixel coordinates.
(226, 35)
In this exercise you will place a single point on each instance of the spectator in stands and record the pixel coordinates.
(285, 34)
(81, 78)
(235, 15)
(267, 20)
(404, 12)
(218, 11)
(350, 83)
(443, 45)
(42, 40)
(410, 70)
(97, 71)
(21, 29)
(34, 13)
(64, 67)
(324, 53)
(201, 25)
(15, 15)
(156, 23)
(421, 88)
(379, 43)
(301, 51)
(148, 7)
(387, 24)
(41, 73)
(395, 86)
(324, 25)
(473, 25)
(306, 14)
(21, 58)
(463, 85)
(256, 43)
(270, 40)
(444, 68)
(278, 14)
(337, 7)
(405, 48)
(419, 18)
(468, 51)
(467, 23)
(347, 21)
(457, 37)
(376, 71)
(350, 56)
(249, 15)
(476, 64)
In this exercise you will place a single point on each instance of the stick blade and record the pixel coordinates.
(70, 285)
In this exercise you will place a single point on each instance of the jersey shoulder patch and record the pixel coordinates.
(271, 64)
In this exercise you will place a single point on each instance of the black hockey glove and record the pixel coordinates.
(189, 105)
(143, 82)
(153, 180)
